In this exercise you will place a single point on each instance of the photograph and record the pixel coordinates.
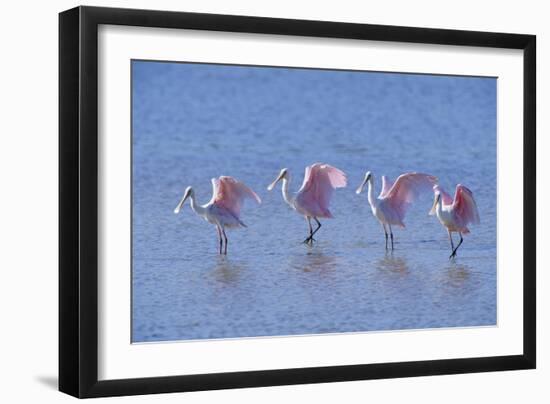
(272, 201)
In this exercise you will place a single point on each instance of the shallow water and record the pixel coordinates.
(192, 122)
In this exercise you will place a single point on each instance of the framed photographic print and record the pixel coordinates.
(250, 201)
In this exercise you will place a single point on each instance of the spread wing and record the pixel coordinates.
(386, 186)
(464, 206)
(445, 197)
(230, 194)
(320, 180)
(406, 189)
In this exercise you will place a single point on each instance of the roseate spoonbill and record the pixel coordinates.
(455, 214)
(394, 199)
(224, 208)
(313, 198)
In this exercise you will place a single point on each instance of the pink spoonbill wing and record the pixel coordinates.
(464, 206)
(320, 180)
(406, 188)
(445, 197)
(386, 186)
(230, 194)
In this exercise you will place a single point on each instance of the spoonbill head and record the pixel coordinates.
(368, 177)
(188, 193)
(282, 175)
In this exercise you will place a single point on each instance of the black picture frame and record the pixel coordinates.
(78, 201)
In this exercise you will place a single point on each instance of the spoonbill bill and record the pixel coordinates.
(223, 210)
(455, 214)
(313, 198)
(394, 199)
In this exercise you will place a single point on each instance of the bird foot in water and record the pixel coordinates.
(453, 254)
(309, 240)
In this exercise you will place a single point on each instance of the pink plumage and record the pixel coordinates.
(224, 209)
(320, 180)
(445, 197)
(464, 208)
(403, 192)
(386, 186)
(395, 197)
(313, 198)
(455, 214)
(230, 194)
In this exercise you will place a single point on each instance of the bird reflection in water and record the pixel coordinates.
(227, 271)
(393, 264)
(457, 274)
(315, 261)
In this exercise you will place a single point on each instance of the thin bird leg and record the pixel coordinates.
(225, 238)
(317, 229)
(391, 236)
(452, 244)
(220, 238)
(459, 243)
(310, 238)
(386, 234)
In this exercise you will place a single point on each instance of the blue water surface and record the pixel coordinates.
(192, 122)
